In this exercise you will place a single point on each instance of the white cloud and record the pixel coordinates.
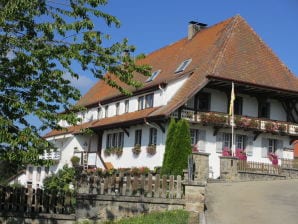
(84, 83)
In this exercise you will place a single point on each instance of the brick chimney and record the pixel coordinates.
(194, 27)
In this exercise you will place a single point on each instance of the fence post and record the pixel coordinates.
(228, 168)
(156, 186)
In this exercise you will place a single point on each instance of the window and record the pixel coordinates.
(149, 100)
(145, 101)
(194, 136)
(272, 145)
(47, 170)
(98, 113)
(240, 142)
(30, 172)
(183, 66)
(115, 140)
(38, 174)
(153, 76)
(106, 111)
(264, 110)
(126, 103)
(238, 105)
(153, 136)
(121, 140)
(117, 108)
(141, 103)
(203, 102)
(227, 140)
(109, 141)
(138, 137)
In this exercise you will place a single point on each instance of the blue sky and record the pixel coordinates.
(150, 25)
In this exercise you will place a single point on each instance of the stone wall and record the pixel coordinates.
(30, 218)
(108, 207)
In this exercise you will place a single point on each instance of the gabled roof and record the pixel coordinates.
(230, 50)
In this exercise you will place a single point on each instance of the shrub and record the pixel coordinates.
(75, 161)
(177, 157)
(166, 164)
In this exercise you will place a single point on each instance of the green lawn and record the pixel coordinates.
(169, 217)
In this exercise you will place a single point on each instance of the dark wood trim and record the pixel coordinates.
(259, 86)
(256, 134)
(125, 130)
(161, 126)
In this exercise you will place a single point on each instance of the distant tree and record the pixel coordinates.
(40, 41)
(179, 148)
(166, 164)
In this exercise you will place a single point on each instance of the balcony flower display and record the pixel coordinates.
(282, 128)
(245, 122)
(273, 158)
(151, 149)
(226, 151)
(136, 150)
(271, 127)
(240, 154)
(212, 118)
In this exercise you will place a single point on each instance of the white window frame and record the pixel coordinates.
(194, 136)
(153, 75)
(149, 98)
(141, 101)
(183, 65)
(138, 137)
(117, 105)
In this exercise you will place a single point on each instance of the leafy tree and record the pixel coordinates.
(179, 149)
(60, 181)
(40, 42)
(166, 164)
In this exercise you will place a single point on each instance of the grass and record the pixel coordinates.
(168, 217)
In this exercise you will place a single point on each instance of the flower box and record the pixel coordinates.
(213, 119)
(151, 149)
(136, 150)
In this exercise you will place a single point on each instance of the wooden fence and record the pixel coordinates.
(28, 200)
(258, 167)
(289, 163)
(146, 186)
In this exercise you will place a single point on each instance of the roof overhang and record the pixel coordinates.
(251, 88)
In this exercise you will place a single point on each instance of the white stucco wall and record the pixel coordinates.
(127, 159)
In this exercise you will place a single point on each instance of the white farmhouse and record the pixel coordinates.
(191, 79)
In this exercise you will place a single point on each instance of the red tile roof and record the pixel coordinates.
(106, 122)
(230, 49)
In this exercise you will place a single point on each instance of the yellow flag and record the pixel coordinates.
(231, 110)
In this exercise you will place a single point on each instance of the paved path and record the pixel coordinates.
(259, 202)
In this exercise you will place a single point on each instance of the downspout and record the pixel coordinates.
(162, 93)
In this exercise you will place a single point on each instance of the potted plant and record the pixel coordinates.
(108, 151)
(226, 152)
(253, 124)
(136, 150)
(151, 149)
(75, 161)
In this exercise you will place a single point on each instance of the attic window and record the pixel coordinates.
(183, 65)
(153, 76)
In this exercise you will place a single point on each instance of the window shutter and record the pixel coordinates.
(265, 144)
(249, 145)
(202, 140)
(279, 151)
(219, 142)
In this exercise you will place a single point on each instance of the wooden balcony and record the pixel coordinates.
(218, 119)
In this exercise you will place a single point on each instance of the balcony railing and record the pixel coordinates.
(243, 122)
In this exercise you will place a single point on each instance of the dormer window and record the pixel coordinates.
(183, 65)
(153, 76)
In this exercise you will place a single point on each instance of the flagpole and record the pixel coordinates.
(232, 117)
